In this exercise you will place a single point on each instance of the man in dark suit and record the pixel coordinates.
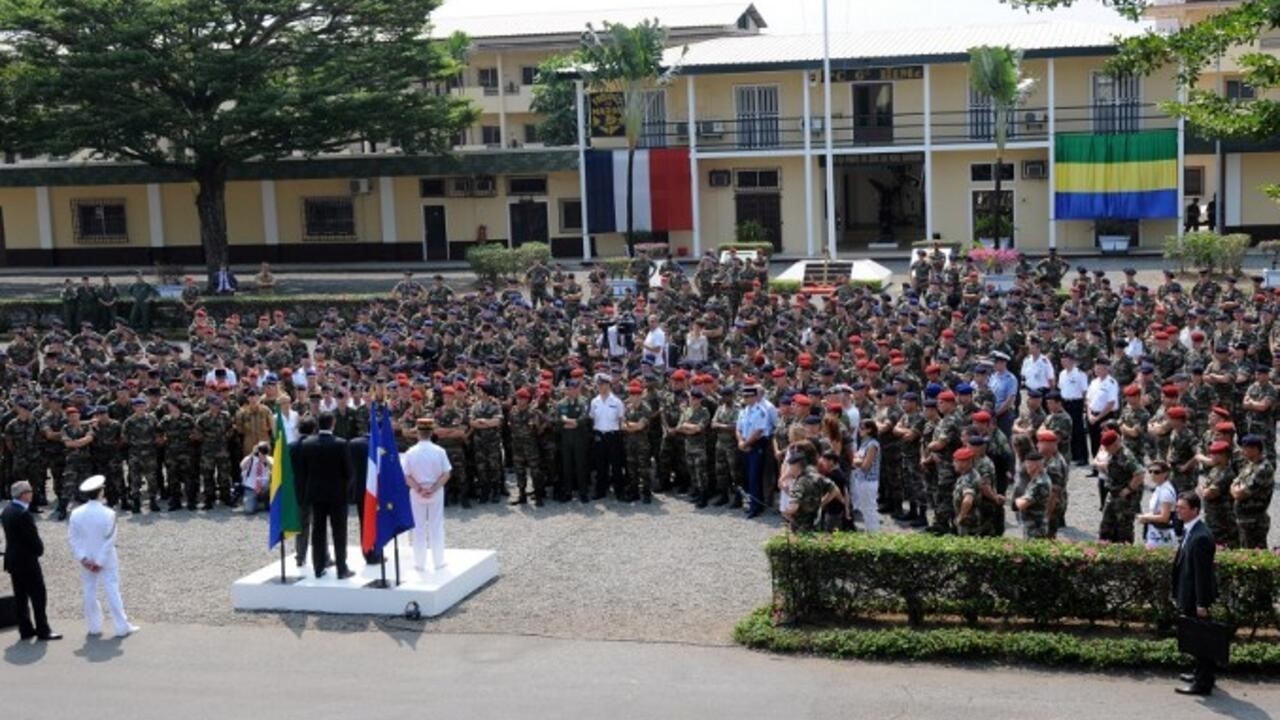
(23, 549)
(324, 472)
(358, 456)
(1194, 585)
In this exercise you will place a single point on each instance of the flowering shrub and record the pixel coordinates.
(821, 578)
(994, 261)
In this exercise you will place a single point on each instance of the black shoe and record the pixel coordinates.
(721, 500)
(735, 502)
(537, 502)
(1188, 678)
(154, 505)
(901, 516)
(1203, 690)
(599, 496)
(919, 521)
(647, 498)
(35, 511)
(754, 514)
(60, 514)
(702, 502)
(319, 573)
(584, 499)
(178, 506)
(466, 503)
(55, 636)
(137, 505)
(344, 574)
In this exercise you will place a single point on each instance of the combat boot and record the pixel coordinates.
(154, 504)
(136, 507)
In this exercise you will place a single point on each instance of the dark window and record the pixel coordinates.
(531, 133)
(757, 179)
(490, 135)
(1240, 90)
(527, 186)
(459, 138)
(1193, 181)
(100, 221)
(329, 218)
(981, 172)
(528, 75)
(570, 215)
(431, 187)
(488, 77)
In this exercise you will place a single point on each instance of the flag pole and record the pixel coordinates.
(283, 580)
(395, 540)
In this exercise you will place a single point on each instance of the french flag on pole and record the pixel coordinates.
(386, 497)
(660, 190)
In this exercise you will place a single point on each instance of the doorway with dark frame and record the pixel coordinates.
(435, 240)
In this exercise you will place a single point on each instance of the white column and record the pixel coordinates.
(1053, 141)
(928, 156)
(582, 169)
(1182, 164)
(1232, 191)
(695, 188)
(270, 218)
(826, 127)
(502, 105)
(387, 209)
(44, 218)
(808, 164)
(155, 215)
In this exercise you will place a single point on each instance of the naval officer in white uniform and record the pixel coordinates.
(426, 470)
(92, 532)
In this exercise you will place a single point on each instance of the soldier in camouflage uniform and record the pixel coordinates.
(547, 424)
(1055, 466)
(810, 492)
(723, 425)
(909, 432)
(108, 441)
(1182, 450)
(1124, 476)
(525, 455)
(77, 437)
(990, 504)
(1032, 502)
(943, 444)
(671, 456)
(965, 492)
(1058, 420)
(23, 443)
(453, 429)
(1133, 421)
(1260, 403)
(694, 423)
(635, 441)
(486, 426)
(140, 432)
(177, 435)
(215, 462)
(1214, 488)
(52, 419)
(1251, 490)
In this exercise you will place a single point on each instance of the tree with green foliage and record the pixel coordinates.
(1193, 49)
(555, 98)
(996, 73)
(628, 60)
(198, 86)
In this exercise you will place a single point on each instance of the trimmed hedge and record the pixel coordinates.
(791, 287)
(762, 248)
(1048, 648)
(846, 576)
(491, 261)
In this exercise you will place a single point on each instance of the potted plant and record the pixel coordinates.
(992, 231)
(996, 265)
(1271, 275)
(1113, 236)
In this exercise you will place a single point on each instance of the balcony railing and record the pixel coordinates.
(974, 126)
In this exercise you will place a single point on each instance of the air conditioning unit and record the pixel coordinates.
(1034, 170)
(361, 186)
(459, 186)
(484, 186)
(711, 128)
(720, 178)
(1034, 122)
(815, 126)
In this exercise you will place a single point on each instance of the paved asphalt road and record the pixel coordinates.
(189, 672)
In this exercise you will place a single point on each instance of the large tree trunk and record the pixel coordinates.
(211, 206)
(631, 238)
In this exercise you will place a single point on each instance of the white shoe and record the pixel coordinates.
(95, 633)
(420, 568)
(132, 629)
(441, 566)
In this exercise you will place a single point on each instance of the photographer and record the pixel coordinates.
(255, 476)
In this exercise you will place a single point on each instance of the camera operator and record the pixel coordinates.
(255, 476)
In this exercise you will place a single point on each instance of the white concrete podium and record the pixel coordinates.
(465, 571)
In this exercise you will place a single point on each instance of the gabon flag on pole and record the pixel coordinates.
(386, 496)
(285, 520)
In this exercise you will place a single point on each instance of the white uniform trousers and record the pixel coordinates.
(109, 579)
(428, 522)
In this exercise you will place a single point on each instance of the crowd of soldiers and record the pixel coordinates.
(936, 373)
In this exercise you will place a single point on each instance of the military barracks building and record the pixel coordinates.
(739, 136)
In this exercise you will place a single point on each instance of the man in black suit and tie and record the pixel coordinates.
(1194, 585)
(23, 549)
(324, 470)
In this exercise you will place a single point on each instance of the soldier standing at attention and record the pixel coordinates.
(724, 424)
(574, 433)
(965, 492)
(1123, 475)
(452, 431)
(1214, 489)
(1033, 502)
(67, 297)
(944, 442)
(635, 428)
(108, 296)
(1182, 451)
(525, 457)
(108, 438)
(1252, 491)
(215, 462)
(694, 422)
(486, 426)
(178, 436)
(22, 440)
(77, 437)
(140, 431)
(52, 419)
(87, 307)
(143, 294)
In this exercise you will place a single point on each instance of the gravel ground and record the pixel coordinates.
(660, 572)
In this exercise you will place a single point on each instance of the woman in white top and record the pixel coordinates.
(696, 345)
(290, 417)
(1158, 520)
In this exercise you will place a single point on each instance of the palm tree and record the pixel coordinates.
(996, 73)
(628, 60)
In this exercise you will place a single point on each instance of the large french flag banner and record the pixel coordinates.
(660, 190)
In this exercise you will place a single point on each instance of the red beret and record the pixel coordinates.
(1161, 336)
(899, 360)
(873, 366)
(1169, 391)
(1047, 436)
(1197, 336)
(635, 389)
(1224, 427)
(933, 368)
(575, 373)
(1219, 446)
(679, 376)
(801, 399)
(833, 356)
(1132, 391)
(948, 333)
(1109, 437)
(963, 453)
(1177, 412)
(448, 390)
(1221, 411)
(834, 407)
(778, 373)
(523, 393)
(982, 416)
(946, 396)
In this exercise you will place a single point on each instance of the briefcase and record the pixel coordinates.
(8, 612)
(1205, 639)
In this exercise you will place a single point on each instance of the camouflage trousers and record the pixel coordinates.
(991, 518)
(30, 468)
(111, 467)
(639, 481)
(1222, 525)
(1182, 482)
(73, 474)
(549, 462)
(56, 464)
(215, 476)
(943, 512)
(526, 457)
(1117, 520)
(1034, 528)
(1253, 531)
(891, 491)
(490, 481)
(672, 461)
(459, 480)
(143, 470)
(728, 478)
(695, 457)
(181, 471)
(913, 483)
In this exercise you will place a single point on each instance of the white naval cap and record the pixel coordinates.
(92, 484)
